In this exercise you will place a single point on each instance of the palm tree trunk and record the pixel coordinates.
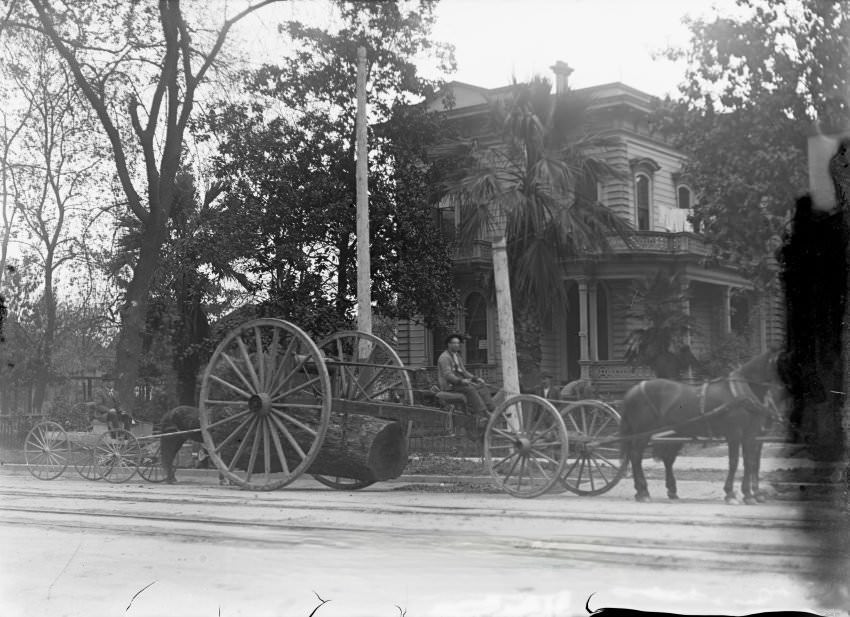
(505, 314)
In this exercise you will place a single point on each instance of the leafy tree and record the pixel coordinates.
(298, 168)
(752, 89)
(527, 188)
(141, 80)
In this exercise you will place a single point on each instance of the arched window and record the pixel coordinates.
(642, 201)
(684, 197)
(475, 310)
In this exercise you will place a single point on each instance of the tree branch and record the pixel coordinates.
(134, 201)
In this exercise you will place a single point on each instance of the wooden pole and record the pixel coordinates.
(505, 313)
(364, 274)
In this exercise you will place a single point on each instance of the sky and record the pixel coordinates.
(602, 40)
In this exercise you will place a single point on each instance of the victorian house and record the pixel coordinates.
(588, 339)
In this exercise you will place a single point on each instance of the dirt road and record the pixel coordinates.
(72, 547)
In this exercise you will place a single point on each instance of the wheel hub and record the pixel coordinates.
(522, 445)
(260, 404)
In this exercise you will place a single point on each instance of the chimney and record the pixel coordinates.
(562, 72)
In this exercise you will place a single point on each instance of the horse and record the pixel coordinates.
(735, 407)
(181, 418)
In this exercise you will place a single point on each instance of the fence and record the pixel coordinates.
(14, 429)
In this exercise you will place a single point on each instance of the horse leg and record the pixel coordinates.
(668, 453)
(733, 441)
(636, 449)
(169, 446)
(756, 468)
(749, 485)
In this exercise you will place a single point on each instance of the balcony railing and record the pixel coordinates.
(662, 242)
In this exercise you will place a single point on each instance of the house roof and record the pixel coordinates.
(470, 99)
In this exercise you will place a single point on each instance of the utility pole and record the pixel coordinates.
(364, 272)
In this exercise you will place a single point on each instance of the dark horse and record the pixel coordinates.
(736, 407)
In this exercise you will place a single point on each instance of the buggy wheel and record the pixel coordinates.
(364, 367)
(84, 463)
(150, 464)
(595, 464)
(46, 450)
(525, 445)
(343, 484)
(117, 455)
(265, 404)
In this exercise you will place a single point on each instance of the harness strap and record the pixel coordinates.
(740, 388)
(642, 387)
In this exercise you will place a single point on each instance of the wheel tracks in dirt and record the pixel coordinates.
(792, 521)
(596, 549)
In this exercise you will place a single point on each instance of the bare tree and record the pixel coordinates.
(56, 178)
(137, 67)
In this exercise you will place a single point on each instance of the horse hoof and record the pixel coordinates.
(171, 481)
(672, 496)
(761, 498)
(733, 501)
(642, 498)
(750, 501)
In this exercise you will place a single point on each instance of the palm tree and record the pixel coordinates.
(658, 302)
(524, 189)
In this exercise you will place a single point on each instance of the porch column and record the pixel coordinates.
(594, 326)
(686, 308)
(726, 314)
(584, 354)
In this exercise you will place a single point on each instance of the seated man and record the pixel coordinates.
(453, 377)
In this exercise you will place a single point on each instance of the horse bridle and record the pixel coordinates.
(740, 388)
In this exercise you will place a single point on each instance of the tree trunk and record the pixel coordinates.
(355, 446)
(133, 318)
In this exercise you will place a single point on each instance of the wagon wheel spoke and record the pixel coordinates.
(239, 374)
(242, 445)
(540, 467)
(297, 388)
(285, 416)
(236, 389)
(592, 472)
(46, 450)
(521, 471)
(234, 433)
(288, 435)
(366, 376)
(505, 459)
(246, 358)
(232, 418)
(261, 360)
(255, 446)
(546, 456)
(280, 454)
(278, 372)
(267, 455)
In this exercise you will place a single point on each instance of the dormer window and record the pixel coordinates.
(683, 197)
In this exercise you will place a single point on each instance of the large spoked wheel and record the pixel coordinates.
(525, 445)
(343, 484)
(265, 404)
(150, 464)
(363, 367)
(46, 450)
(117, 456)
(595, 464)
(84, 463)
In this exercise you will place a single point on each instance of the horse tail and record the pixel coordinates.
(626, 428)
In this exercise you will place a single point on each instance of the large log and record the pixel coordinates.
(355, 446)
